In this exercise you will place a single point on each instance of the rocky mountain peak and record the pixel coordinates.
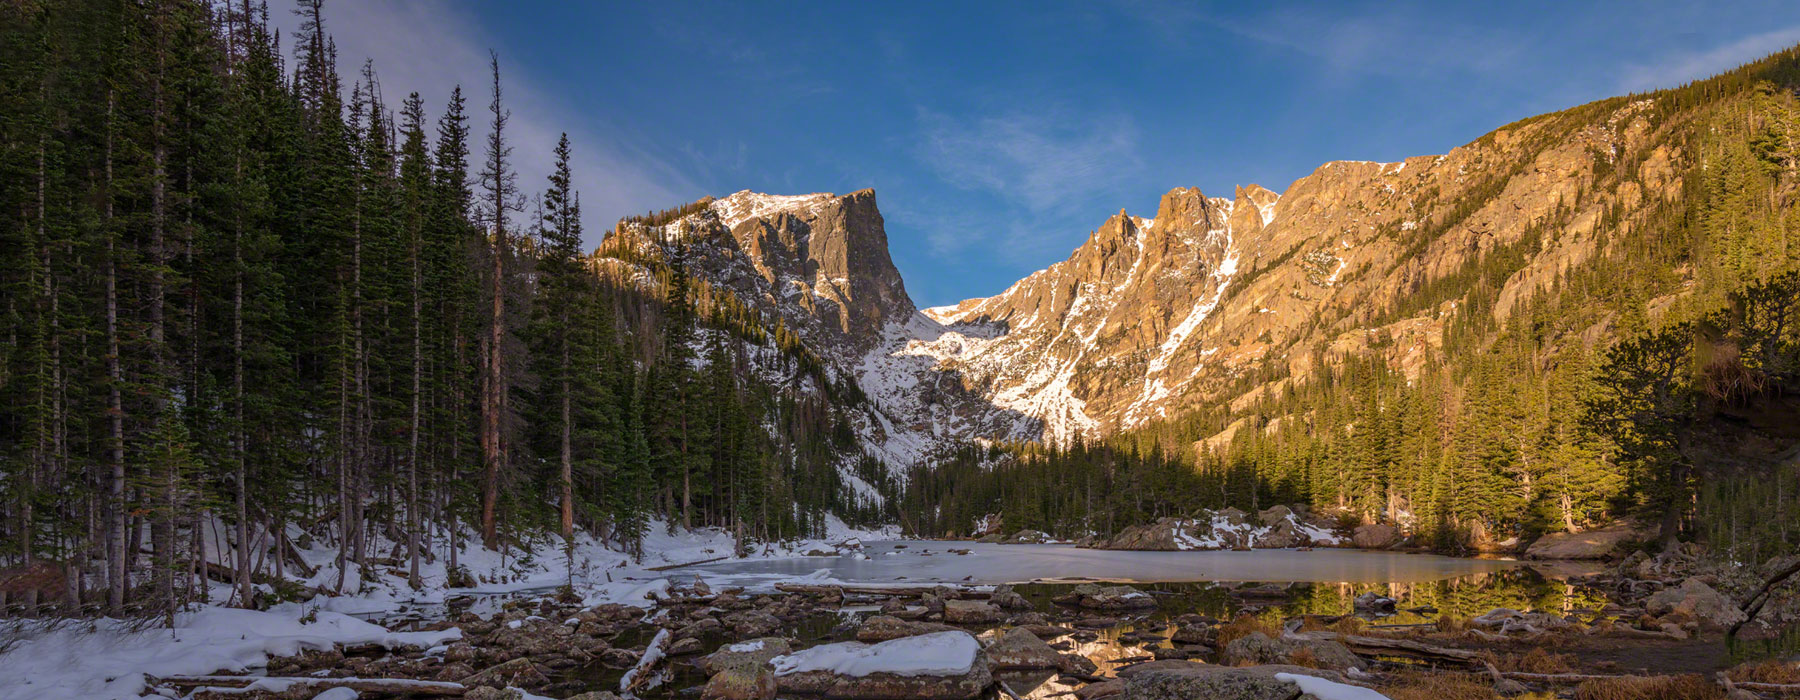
(818, 261)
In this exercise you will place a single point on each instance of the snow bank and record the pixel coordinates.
(1329, 690)
(106, 660)
(935, 654)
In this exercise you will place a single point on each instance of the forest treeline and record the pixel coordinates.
(1619, 389)
(245, 304)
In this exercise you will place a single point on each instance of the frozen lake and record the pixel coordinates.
(917, 561)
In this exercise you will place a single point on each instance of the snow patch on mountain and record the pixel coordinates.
(1156, 387)
(744, 205)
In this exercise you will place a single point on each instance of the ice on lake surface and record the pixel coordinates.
(918, 561)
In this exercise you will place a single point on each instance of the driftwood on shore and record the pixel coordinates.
(894, 591)
(372, 686)
(669, 567)
(1754, 604)
(1403, 647)
(1578, 678)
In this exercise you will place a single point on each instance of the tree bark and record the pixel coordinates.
(493, 391)
(115, 408)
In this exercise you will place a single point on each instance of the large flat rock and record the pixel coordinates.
(1598, 543)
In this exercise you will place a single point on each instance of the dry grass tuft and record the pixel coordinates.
(1303, 656)
(1769, 671)
(1349, 625)
(1243, 627)
(1424, 685)
(1536, 661)
(1689, 687)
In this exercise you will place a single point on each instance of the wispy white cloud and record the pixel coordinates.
(1344, 40)
(1685, 66)
(1043, 163)
(430, 48)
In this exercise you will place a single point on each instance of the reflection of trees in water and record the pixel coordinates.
(1465, 596)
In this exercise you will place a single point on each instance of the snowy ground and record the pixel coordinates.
(108, 659)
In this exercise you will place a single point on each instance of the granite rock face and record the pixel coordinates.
(1151, 316)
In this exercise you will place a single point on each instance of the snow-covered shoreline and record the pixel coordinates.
(108, 659)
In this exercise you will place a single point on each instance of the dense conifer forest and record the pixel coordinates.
(241, 294)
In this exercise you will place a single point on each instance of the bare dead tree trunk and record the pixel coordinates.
(163, 527)
(412, 449)
(115, 409)
(493, 400)
(239, 435)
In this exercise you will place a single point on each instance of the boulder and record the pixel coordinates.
(1005, 597)
(1187, 680)
(743, 682)
(1373, 602)
(1375, 536)
(1019, 649)
(619, 658)
(1027, 537)
(487, 693)
(752, 623)
(520, 672)
(531, 637)
(1195, 634)
(1079, 664)
(1095, 691)
(991, 539)
(755, 652)
(1695, 599)
(970, 612)
(1160, 536)
(1284, 534)
(1257, 648)
(1274, 516)
(938, 666)
(697, 628)
(1599, 543)
(881, 628)
(595, 695)
(455, 671)
(1090, 595)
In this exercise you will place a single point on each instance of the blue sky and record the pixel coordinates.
(998, 135)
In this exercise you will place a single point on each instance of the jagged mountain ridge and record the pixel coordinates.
(1149, 316)
(818, 265)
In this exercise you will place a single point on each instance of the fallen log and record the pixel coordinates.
(1793, 688)
(891, 591)
(1084, 677)
(1402, 647)
(1754, 604)
(669, 567)
(225, 574)
(372, 686)
(688, 600)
